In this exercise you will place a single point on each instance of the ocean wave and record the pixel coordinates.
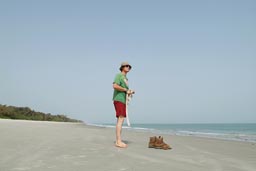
(225, 136)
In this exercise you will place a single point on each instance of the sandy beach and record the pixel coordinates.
(42, 146)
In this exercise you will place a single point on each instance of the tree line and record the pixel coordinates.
(25, 113)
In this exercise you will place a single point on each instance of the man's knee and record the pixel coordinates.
(121, 118)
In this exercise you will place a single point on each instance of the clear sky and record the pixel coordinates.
(193, 61)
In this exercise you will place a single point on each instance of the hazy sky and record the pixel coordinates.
(193, 61)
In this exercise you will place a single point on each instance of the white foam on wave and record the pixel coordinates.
(124, 127)
(143, 129)
(225, 136)
(101, 125)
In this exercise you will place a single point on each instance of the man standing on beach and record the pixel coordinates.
(121, 88)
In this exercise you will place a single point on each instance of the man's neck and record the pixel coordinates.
(124, 73)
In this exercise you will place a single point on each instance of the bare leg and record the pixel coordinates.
(119, 124)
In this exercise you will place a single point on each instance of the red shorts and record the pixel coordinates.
(120, 109)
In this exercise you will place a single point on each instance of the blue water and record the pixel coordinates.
(236, 132)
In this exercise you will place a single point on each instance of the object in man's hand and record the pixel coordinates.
(130, 92)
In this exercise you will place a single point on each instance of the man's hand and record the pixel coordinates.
(130, 92)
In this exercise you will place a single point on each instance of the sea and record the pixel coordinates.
(228, 131)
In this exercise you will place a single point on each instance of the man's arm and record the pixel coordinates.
(119, 88)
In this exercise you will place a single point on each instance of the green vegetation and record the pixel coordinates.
(25, 113)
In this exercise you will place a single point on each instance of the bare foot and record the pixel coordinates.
(121, 145)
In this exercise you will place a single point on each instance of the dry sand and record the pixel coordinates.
(43, 146)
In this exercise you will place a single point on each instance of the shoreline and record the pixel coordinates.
(58, 146)
(217, 136)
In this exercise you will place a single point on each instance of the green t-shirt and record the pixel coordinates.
(122, 81)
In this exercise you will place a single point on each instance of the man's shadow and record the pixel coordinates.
(125, 141)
